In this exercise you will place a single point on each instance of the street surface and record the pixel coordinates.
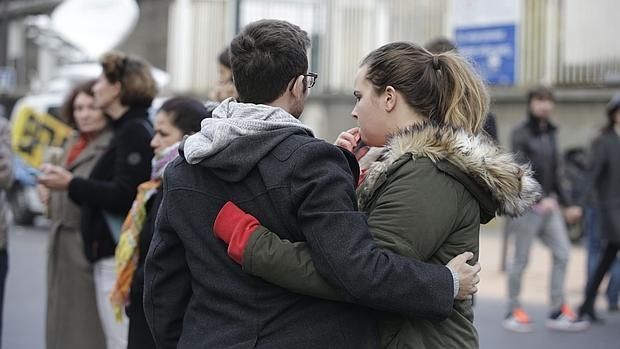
(24, 309)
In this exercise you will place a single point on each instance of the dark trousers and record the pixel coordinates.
(139, 336)
(605, 262)
(4, 268)
(595, 249)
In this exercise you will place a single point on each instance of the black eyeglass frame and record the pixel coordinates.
(314, 76)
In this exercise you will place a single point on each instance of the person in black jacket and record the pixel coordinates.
(177, 117)
(534, 141)
(257, 154)
(125, 90)
(604, 176)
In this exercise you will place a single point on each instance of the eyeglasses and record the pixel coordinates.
(311, 79)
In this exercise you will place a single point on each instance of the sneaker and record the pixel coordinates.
(518, 321)
(565, 320)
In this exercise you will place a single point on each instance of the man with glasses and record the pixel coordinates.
(256, 154)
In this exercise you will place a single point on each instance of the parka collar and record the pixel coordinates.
(491, 175)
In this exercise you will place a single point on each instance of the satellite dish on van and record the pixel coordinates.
(95, 26)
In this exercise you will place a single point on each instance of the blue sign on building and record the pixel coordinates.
(492, 49)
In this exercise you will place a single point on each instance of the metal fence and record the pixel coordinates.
(344, 31)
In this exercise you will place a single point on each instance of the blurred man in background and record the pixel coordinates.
(534, 141)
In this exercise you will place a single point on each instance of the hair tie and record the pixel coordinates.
(436, 62)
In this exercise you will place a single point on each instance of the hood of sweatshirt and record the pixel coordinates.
(238, 136)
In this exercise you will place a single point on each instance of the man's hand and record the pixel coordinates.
(573, 214)
(467, 274)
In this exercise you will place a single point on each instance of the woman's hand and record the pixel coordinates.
(349, 139)
(44, 193)
(55, 177)
(235, 227)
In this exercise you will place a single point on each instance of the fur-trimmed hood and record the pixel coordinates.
(509, 185)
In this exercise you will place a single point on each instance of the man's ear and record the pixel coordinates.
(299, 87)
(389, 98)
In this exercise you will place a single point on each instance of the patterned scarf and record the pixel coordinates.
(127, 250)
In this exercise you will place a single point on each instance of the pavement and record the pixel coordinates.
(491, 302)
(24, 309)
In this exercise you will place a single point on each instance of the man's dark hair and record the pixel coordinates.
(540, 92)
(265, 57)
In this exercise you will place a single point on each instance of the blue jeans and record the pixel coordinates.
(592, 227)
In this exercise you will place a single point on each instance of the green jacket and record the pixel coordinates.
(425, 199)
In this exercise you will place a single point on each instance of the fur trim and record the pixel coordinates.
(511, 185)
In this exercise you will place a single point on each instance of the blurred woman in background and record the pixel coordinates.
(72, 319)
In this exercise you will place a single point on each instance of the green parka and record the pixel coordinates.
(425, 199)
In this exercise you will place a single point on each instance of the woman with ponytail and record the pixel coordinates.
(436, 180)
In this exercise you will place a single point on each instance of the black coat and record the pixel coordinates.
(302, 188)
(536, 144)
(113, 182)
(604, 175)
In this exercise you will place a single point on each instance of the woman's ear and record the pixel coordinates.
(389, 98)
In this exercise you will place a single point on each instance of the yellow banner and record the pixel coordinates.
(33, 132)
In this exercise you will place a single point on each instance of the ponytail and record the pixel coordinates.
(464, 100)
(443, 87)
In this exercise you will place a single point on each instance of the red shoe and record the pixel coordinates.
(566, 320)
(518, 321)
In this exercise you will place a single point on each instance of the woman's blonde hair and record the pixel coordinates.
(138, 87)
(442, 87)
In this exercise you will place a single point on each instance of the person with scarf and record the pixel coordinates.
(176, 118)
(72, 318)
